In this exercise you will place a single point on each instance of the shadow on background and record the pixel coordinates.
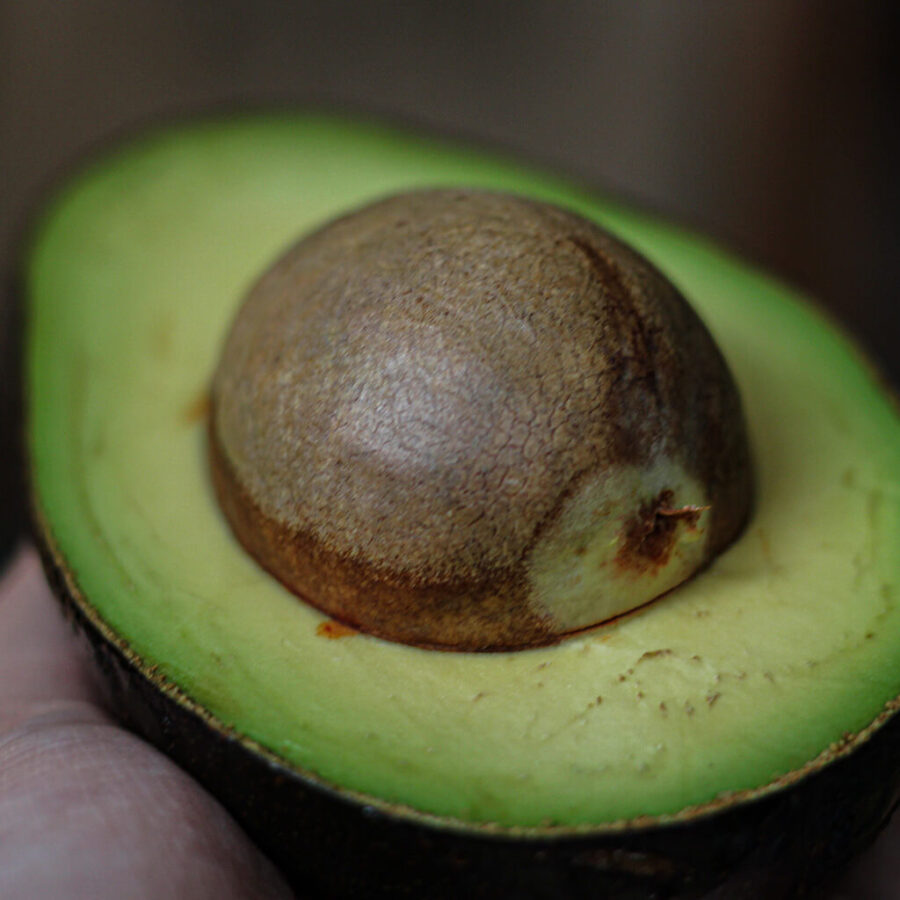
(771, 125)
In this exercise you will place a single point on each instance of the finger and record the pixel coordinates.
(43, 666)
(89, 811)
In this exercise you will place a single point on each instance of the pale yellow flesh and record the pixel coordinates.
(790, 640)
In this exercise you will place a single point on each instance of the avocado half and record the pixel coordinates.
(737, 736)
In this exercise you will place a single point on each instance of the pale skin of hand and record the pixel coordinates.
(88, 810)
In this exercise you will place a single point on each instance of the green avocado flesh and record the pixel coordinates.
(788, 642)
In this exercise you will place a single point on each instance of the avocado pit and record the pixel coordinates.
(473, 421)
(650, 536)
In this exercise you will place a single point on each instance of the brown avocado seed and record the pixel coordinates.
(473, 421)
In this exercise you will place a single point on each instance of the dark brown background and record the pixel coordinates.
(769, 124)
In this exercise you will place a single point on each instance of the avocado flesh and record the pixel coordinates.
(788, 642)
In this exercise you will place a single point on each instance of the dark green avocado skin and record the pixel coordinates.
(780, 846)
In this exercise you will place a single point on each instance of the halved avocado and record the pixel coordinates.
(736, 735)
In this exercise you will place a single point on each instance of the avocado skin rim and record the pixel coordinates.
(775, 842)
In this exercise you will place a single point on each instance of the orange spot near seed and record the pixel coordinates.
(334, 630)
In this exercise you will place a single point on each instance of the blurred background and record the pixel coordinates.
(771, 125)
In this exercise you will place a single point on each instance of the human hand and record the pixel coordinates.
(88, 810)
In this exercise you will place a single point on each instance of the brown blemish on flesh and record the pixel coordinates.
(334, 630)
(766, 548)
(198, 409)
(655, 654)
(648, 538)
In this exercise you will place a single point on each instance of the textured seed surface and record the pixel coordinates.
(423, 408)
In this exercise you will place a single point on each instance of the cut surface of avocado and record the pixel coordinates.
(753, 669)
